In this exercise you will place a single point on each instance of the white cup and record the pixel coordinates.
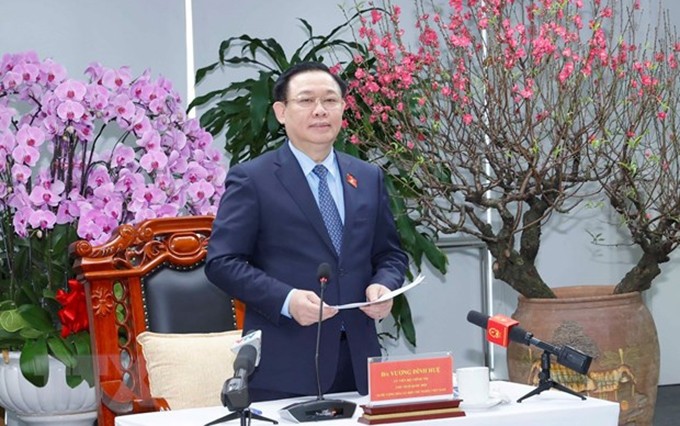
(473, 384)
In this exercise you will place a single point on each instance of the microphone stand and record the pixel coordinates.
(322, 283)
(320, 408)
(546, 382)
(245, 414)
(236, 398)
(567, 356)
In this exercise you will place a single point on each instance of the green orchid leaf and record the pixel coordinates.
(6, 305)
(10, 341)
(34, 363)
(81, 343)
(27, 295)
(84, 367)
(61, 351)
(60, 237)
(12, 321)
(36, 317)
(50, 294)
(73, 379)
(30, 333)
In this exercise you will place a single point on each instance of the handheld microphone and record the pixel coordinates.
(253, 339)
(320, 408)
(244, 364)
(235, 394)
(566, 355)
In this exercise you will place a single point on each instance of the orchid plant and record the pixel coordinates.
(77, 159)
(500, 114)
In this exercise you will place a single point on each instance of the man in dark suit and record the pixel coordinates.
(281, 216)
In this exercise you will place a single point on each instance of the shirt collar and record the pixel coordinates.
(307, 164)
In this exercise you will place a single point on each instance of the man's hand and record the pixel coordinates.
(380, 310)
(304, 308)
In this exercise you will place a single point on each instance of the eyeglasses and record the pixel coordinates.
(330, 103)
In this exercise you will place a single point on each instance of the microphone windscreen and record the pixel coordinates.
(478, 319)
(245, 359)
(324, 272)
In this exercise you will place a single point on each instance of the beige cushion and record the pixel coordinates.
(188, 370)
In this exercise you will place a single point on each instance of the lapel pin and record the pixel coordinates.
(351, 180)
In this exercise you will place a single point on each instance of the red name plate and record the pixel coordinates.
(421, 378)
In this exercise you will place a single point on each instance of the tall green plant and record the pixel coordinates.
(243, 110)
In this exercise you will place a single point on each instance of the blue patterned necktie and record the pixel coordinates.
(329, 211)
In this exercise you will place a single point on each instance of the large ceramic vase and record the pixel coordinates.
(54, 404)
(617, 330)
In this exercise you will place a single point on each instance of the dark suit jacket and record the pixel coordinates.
(269, 237)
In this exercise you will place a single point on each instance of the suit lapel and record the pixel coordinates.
(350, 191)
(291, 177)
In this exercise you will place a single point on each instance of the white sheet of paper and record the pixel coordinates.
(387, 296)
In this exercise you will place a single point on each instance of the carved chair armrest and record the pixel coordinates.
(154, 404)
(121, 400)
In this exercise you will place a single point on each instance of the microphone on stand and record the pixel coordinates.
(252, 338)
(235, 390)
(566, 355)
(234, 393)
(323, 274)
(501, 330)
(320, 408)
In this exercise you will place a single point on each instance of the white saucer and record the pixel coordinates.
(491, 402)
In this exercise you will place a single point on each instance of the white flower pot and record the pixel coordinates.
(55, 403)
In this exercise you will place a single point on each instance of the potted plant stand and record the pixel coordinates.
(54, 404)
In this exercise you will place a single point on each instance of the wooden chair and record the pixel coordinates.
(147, 277)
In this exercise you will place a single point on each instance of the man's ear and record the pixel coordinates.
(279, 109)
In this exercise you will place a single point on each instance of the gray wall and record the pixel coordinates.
(139, 34)
(150, 34)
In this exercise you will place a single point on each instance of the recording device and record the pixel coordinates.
(566, 355)
(501, 330)
(235, 390)
(234, 393)
(251, 338)
(320, 408)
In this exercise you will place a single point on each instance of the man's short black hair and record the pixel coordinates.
(281, 85)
